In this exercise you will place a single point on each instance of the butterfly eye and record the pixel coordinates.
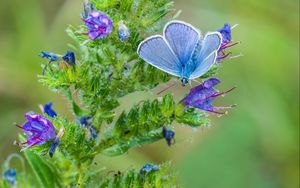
(184, 81)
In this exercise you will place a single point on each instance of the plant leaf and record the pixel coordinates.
(46, 173)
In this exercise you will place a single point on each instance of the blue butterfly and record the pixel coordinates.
(181, 51)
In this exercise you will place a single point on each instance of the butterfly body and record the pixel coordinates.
(181, 51)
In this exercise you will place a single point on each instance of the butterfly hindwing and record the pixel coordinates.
(208, 53)
(211, 43)
(204, 66)
(182, 38)
(156, 51)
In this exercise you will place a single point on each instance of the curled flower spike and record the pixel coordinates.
(56, 142)
(85, 121)
(203, 95)
(168, 134)
(123, 31)
(99, 25)
(69, 58)
(226, 42)
(47, 109)
(10, 176)
(50, 56)
(37, 129)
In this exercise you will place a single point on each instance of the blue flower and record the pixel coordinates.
(123, 31)
(56, 142)
(86, 122)
(50, 56)
(203, 95)
(69, 58)
(47, 108)
(38, 130)
(168, 134)
(92, 132)
(148, 168)
(10, 176)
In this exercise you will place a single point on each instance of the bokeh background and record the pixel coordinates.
(255, 146)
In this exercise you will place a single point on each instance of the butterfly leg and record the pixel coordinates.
(166, 88)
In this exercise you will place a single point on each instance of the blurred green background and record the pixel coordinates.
(255, 146)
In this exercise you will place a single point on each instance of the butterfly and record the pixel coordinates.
(181, 51)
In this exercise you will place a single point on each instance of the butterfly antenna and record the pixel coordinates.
(166, 88)
(197, 81)
(235, 25)
(236, 56)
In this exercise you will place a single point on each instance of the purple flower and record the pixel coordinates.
(226, 33)
(69, 58)
(10, 176)
(47, 108)
(123, 31)
(203, 95)
(99, 25)
(226, 41)
(168, 134)
(37, 129)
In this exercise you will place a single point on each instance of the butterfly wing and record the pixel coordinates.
(207, 55)
(157, 52)
(182, 38)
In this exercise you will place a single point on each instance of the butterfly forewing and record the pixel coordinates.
(157, 52)
(182, 38)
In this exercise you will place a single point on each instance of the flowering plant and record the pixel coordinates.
(102, 67)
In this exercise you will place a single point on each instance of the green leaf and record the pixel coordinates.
(46, 173)
(123, 146)
(76, 109)
(191, 116)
